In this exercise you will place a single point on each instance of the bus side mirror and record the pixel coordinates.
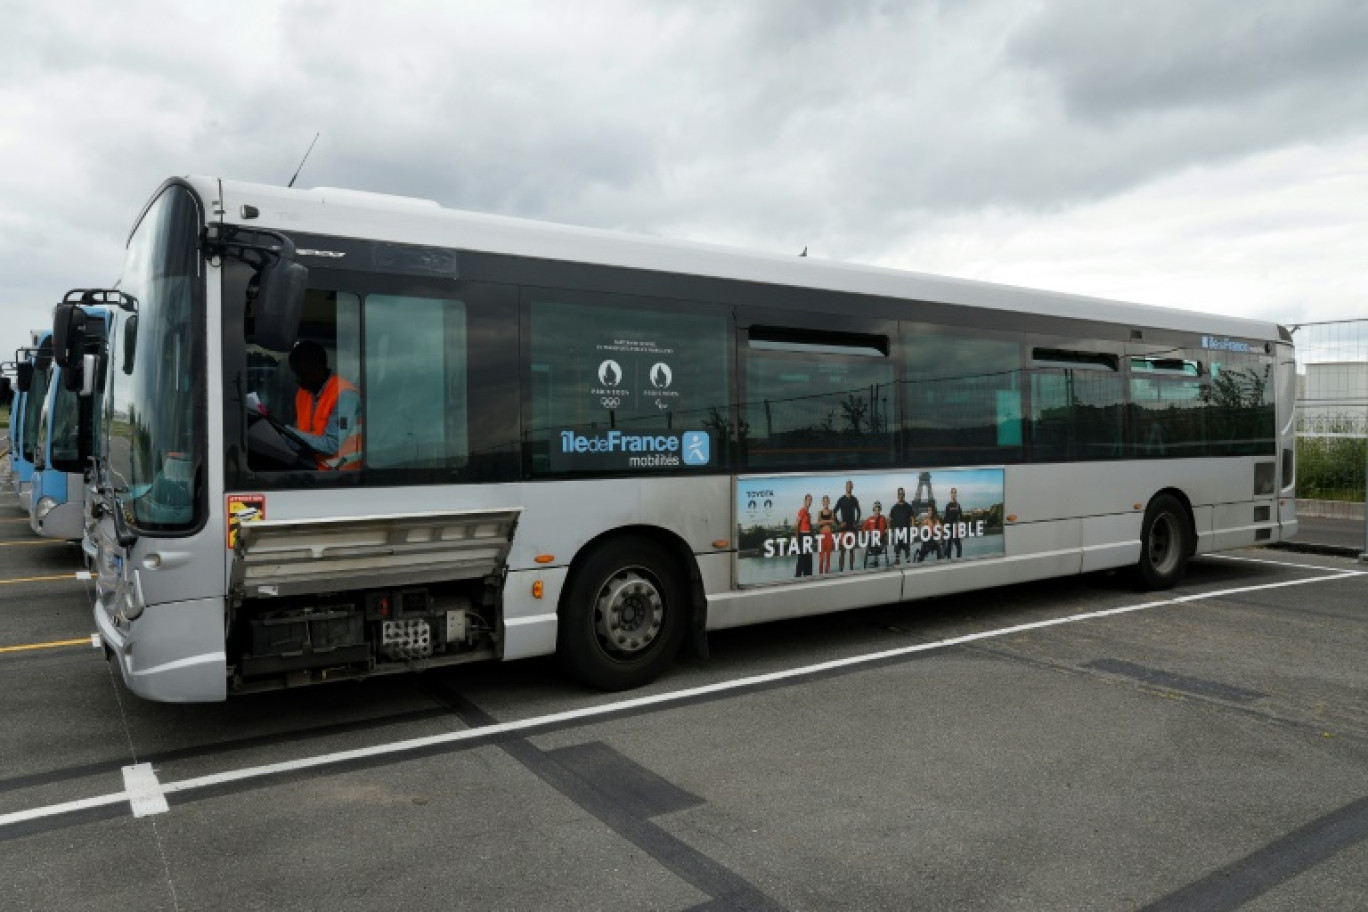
(68, 335)
(90, 366)
(73, 378)
(130, 343)
(23, 375)
(280, 301)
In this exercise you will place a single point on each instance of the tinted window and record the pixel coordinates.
(963, 400)
(65, 447)
(415, 389)
(619, 386)
(33, 412)
(1241, 418)
(1077, 403)
(809, 406)
(1168, 407)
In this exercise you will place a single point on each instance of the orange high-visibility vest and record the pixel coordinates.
(314, 421)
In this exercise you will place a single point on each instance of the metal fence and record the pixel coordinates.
(1332, 418)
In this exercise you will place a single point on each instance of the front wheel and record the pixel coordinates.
(1164, 543)
(623, 616)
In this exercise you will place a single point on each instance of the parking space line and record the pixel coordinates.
(44, 579)
(59, 810)
(55, 644)
(635, 704)
(144, 791)
(36, 541)
(1278, 563)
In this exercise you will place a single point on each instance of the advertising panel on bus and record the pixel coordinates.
(791, 526)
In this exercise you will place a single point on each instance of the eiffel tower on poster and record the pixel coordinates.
(927, 503)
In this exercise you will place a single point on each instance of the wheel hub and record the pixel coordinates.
(1163, 550)
(629, 613)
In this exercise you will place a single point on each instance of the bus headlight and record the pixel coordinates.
(45, 506)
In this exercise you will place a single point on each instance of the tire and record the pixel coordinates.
(1165, 543)
(623, 616)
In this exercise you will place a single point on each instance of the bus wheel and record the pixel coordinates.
(1164, 545)
(623, 616)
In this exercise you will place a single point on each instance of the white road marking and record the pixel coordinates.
(144, 791)
(1264, 560)
(140, 790)
(56, 810)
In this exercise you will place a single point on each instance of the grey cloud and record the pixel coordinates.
(1112, 61)
(842, 126)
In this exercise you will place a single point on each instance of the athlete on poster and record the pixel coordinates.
(792, 527)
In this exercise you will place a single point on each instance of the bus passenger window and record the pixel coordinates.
(963, 399)
(1076, 406)
(1168, 396)
(625, 388)
(818, 400)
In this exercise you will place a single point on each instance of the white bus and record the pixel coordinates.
(602, 446)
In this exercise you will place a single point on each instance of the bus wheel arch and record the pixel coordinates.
(1167, 539)
(630, 600)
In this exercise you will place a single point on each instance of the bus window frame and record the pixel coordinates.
(970, 332)
(725, 454)
(492, 377)
(845, 331)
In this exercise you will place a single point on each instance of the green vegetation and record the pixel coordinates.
(1331, 468)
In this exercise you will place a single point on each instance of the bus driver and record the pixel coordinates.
(327, 409)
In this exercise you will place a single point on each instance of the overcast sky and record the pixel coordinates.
(1207, 154)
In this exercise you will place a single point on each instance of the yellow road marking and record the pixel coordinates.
(40, 579)
(39, 541)
(83, 641)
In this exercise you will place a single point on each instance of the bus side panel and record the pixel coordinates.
(820, 596)
(1202, 519)
(1221, 492)
(1236, 526)
(65, 521)
(1287, 440)
(529, 622)
(1111, 541)
(173, 653)
(1046, 548)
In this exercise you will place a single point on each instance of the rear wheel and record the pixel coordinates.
(1165, 543)
(623, 616)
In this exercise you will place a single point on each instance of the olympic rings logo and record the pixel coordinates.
(611, 401)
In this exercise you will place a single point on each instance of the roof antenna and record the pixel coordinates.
(303, 160)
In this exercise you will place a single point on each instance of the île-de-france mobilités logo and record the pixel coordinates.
(695, 448)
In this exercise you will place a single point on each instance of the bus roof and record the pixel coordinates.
(357, 214)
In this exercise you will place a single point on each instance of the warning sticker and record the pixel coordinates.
(243, 508)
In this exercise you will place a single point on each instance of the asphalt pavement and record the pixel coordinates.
(1071, 744)
(1323, 535)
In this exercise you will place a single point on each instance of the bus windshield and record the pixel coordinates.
(64, 449)
(156, 445)
(33, 412)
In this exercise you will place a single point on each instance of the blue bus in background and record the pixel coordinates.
(63, 430)
(31, 378)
